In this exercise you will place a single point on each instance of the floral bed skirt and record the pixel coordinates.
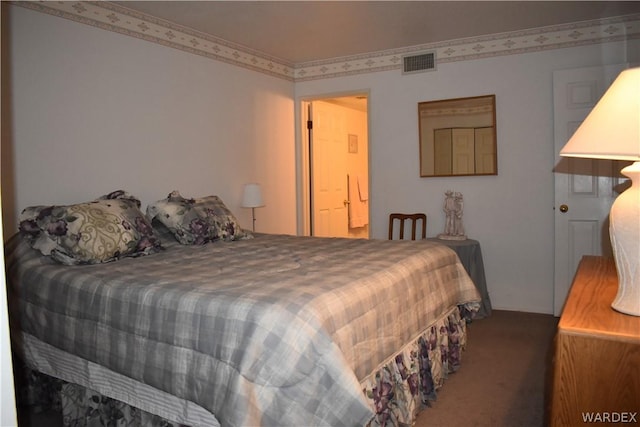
(397, 392)
(408, 382)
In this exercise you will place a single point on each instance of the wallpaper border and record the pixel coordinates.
(111, 17)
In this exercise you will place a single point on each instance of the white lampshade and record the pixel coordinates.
(252, 196)
(612, 131)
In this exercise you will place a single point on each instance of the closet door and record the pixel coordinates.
(584, 188)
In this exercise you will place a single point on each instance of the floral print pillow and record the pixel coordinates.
(197, 221)
(106, 229)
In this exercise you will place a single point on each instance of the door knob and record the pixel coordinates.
(346, 202)
(564, 208)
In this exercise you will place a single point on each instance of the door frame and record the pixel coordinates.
(303, 156)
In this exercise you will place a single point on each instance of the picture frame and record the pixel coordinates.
(353, 143)
(457, 137)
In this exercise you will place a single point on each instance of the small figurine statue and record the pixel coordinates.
(453, 209)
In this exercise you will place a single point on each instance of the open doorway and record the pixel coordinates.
(335, 169)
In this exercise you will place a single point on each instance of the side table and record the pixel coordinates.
(470, 256)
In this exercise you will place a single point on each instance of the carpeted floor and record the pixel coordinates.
(501, 382)
(504, 375)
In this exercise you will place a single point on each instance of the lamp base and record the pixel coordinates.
(253, 216)
(624, 231)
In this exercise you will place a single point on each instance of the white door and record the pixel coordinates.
(330, 214)
(584, 188)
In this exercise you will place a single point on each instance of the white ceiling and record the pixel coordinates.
(303, 31)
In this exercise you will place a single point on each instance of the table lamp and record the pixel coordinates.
(612, 131)
(252, 198)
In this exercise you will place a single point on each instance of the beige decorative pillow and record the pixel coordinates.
(103, 230)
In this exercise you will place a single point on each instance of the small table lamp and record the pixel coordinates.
(612, 131)
(252, 198)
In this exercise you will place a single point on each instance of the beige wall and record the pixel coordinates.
(91, 111)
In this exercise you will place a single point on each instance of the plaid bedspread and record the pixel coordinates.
(276, 330)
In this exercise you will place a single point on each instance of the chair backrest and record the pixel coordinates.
(414, 218)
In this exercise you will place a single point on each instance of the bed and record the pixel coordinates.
(242, 329)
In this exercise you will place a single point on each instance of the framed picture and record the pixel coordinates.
(353, 143)
(458, 136)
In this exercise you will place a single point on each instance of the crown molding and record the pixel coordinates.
(111, 17)
(512, 43)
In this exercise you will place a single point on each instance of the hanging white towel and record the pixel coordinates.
(358, 214)
(363, 189)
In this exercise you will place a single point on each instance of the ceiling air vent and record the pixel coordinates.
(420, 62)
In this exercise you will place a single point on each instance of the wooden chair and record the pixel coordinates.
(414, 218)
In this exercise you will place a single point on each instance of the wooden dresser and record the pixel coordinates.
(596, 371)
